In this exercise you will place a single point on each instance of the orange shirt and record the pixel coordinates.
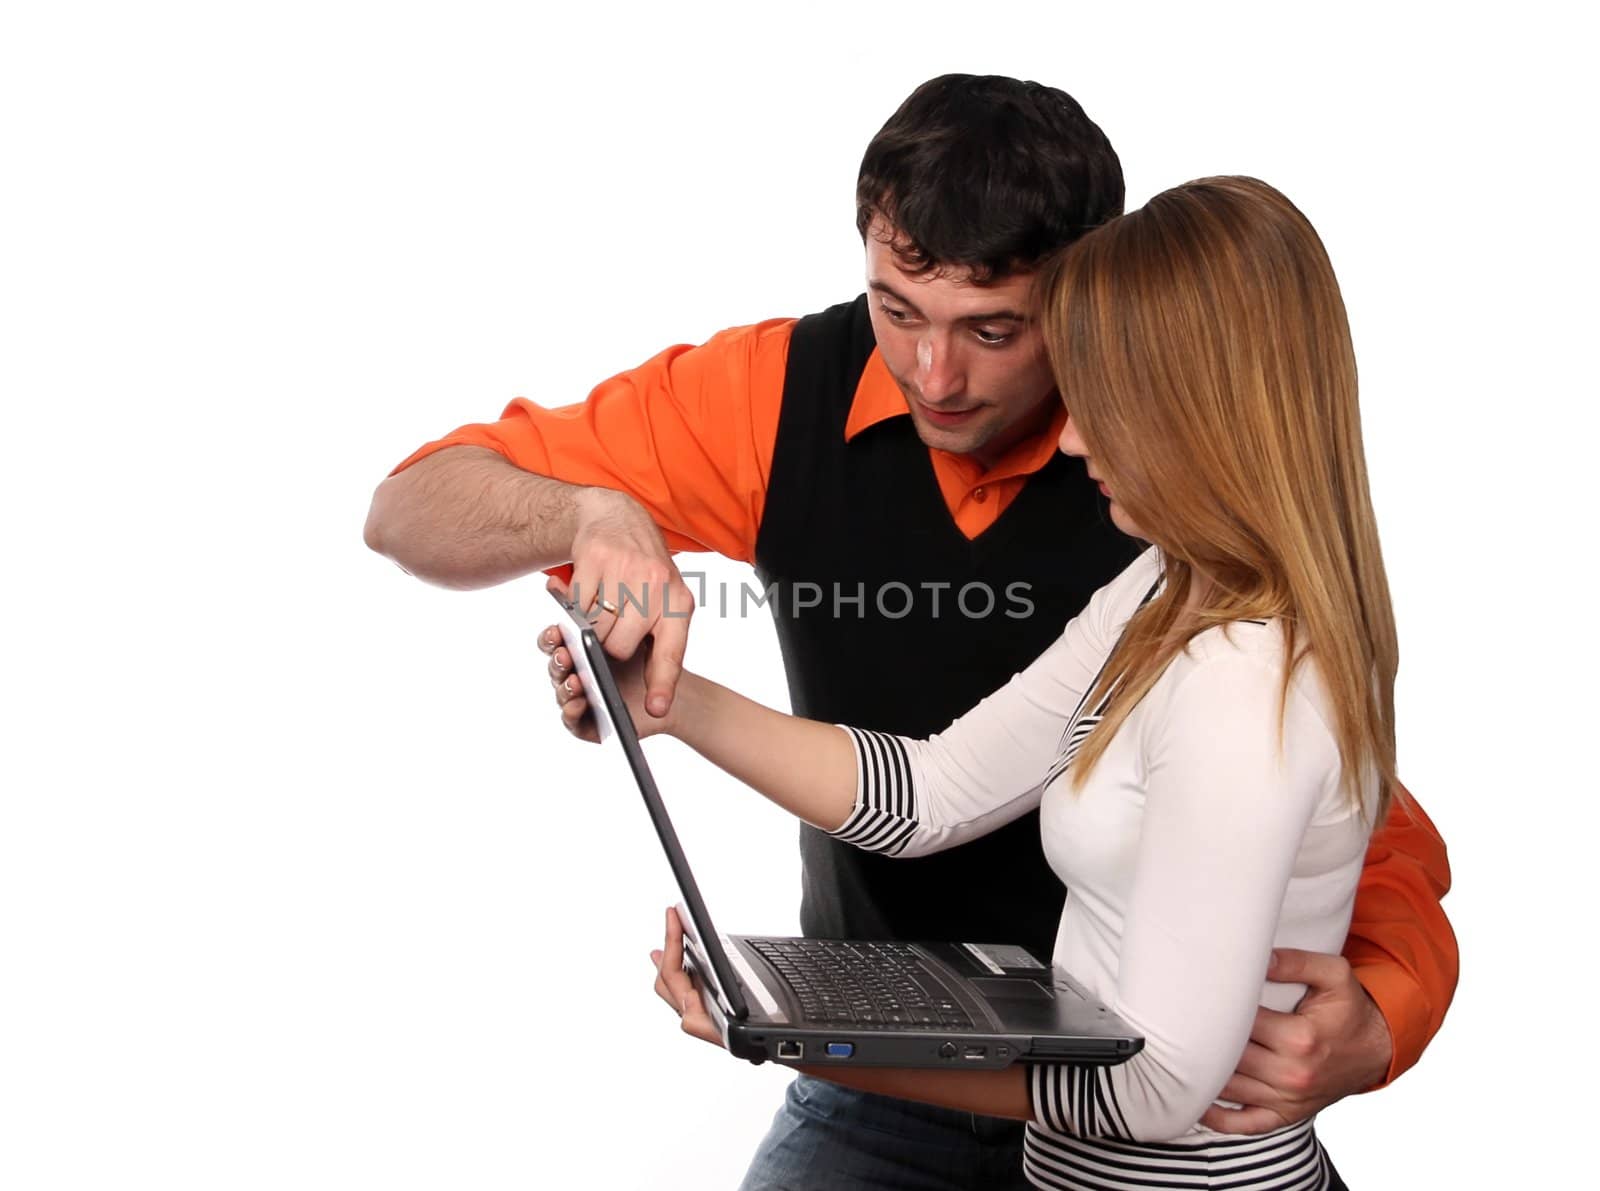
(690, 434)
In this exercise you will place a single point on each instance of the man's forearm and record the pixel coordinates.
(1401, 944)
(464, 517)
(988, 1093)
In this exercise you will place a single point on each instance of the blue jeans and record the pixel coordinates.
(828, 1137)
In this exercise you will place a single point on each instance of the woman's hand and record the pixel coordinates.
(993, 1093)
(573, 700)
(808, 768)
(675, 988)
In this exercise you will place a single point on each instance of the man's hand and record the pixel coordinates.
(625, 582)
(1334, 1044)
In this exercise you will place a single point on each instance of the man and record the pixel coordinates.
(889, 467)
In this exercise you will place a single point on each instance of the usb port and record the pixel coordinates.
(975, 1052)
(840, 1050)
(791, 1050)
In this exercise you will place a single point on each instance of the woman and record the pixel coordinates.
(1208, 743)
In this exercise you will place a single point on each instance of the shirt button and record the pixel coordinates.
(980, 494)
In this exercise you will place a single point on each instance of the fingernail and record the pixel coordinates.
(567, 686)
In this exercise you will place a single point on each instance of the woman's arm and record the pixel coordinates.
(806, 767)
(888, 793)
(880, 792)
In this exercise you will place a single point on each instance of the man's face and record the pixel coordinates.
(967, 357)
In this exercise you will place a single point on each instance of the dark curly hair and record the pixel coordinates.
(987, 174)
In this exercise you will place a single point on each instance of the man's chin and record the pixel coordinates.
(954, 440)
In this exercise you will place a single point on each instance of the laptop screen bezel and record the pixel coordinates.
(722, 973)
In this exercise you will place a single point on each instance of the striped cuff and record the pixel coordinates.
(1077, 1098)
(885, 817)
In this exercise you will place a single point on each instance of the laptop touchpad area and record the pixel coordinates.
(996, 988)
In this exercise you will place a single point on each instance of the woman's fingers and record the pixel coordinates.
(574, 708)
(576, 719)
(678, 983)
(566, 685)
(679, 987)
(661, 981)
(674, 986)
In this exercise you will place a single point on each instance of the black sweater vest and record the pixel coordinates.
(889, 618)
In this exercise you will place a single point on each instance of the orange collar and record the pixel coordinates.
(878, 398)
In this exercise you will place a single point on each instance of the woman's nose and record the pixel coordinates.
(1069, 442)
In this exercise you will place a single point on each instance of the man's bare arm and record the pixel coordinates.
(465, 517)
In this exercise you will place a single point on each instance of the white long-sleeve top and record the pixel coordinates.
(1195, 847)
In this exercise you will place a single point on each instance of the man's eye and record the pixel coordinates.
(895, 316)
(992, 338)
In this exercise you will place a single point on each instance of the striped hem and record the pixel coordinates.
(885, 817)
(1290, 1159)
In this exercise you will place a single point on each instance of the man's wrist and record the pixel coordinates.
(1377, 1037)
(592, 505)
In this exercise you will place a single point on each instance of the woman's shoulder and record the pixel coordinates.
(1244, 656)
(1259, 641)
(1249, 647)
(1229, 685)
(1113, 605)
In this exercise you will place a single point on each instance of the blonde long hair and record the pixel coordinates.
(1202, 348)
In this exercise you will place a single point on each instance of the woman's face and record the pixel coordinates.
(1073, 445)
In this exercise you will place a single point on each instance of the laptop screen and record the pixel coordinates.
(613, 717)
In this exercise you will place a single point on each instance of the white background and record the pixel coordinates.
(298, 875)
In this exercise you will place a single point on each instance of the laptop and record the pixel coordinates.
(865, 1003)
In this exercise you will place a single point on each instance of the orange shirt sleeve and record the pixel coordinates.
(689, 434)
(1401, 945)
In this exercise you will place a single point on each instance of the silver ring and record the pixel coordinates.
(609, 606)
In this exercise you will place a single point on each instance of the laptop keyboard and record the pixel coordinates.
(862, 983)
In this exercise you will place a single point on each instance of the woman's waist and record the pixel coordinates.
(1279, 1158)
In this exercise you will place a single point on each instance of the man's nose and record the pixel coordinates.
(939, 372)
